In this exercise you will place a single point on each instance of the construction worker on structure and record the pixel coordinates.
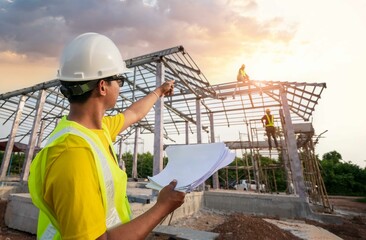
(268, 122)
(75, 180)
(242, 75)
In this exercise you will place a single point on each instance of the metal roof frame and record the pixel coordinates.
(231, 103)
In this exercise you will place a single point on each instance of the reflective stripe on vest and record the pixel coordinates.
(49, 233)
(116, 213)
(270, 122)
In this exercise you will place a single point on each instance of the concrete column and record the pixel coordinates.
(135, 152)
(158, 132)
(137, 130)
(296, 167)
(40, 135)
(199, 131)
(198, 120)
(286, 161)
(121, 163)
(215, 176)
(11, 140)
(33, 135)
(187, 132)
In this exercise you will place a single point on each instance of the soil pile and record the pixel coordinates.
(243, 227)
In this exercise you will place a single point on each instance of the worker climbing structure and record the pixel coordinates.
(197, 108)
(292, 104)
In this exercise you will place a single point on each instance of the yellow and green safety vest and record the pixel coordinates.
(270, 121)
(112, 195)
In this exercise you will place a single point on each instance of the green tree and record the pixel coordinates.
(342, 178)
(144, 164)
(332, 156)
(15, 163)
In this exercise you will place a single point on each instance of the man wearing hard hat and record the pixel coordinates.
(75, 180)
(268, 122)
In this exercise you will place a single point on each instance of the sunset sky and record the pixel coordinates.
(282, 40)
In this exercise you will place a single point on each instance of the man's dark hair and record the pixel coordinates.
(80, 92)
(68, 89)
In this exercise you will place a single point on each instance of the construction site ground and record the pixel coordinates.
(239, 226)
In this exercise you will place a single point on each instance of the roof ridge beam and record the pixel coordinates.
(152, 57)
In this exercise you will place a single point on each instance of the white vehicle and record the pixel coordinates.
(245, 185)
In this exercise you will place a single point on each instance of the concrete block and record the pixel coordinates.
(21, 214)
(279, 206)
(7, 188)
(282, 206)
(5, 191)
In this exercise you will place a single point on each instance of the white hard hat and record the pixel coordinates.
(90, 56)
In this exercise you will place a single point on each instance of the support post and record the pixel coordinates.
(198, 120)
(40, 135)
(187, 132)
(135, 152)
(286, 161)
(295, 162)
(121, 162)
(158, 131)
(199, 131)
(33, 135)
(11, 140)
(215, 176)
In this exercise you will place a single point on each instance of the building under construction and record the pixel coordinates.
(197, 107)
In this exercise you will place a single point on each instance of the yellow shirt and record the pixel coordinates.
(72, 186)
(242, 73)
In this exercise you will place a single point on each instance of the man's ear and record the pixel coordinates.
(102, 87)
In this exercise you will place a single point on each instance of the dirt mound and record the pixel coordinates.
(241, 227)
